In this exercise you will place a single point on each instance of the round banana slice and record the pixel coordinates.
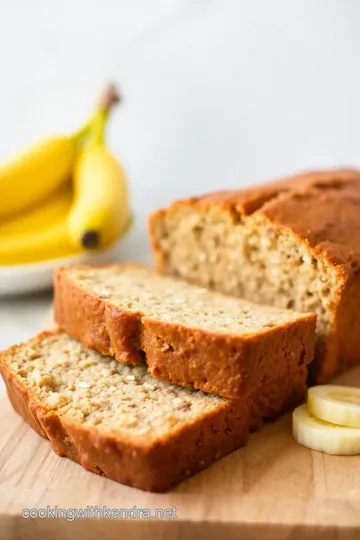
(335, 404)
(324, 437)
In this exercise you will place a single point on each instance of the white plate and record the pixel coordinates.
(26, 278)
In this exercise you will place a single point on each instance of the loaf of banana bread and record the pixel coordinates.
(293, 244)
(189, 335)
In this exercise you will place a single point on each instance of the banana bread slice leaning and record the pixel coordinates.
(189, 335)
(115, 419)
(293, 244)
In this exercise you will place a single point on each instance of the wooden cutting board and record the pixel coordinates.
(272, 489)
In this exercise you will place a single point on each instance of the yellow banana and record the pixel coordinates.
(52, 210)
(100, 212)
(61, 225)
(39, 245)
(39, 235)
(37, 173)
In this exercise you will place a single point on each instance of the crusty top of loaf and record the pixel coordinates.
(322, 208)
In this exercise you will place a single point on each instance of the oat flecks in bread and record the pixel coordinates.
(290, 244)
(115, 419)
(190, 336)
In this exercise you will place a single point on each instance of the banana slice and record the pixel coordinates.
(335, 404)
(324, 437)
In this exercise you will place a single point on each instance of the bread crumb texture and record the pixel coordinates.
(254, 261)
(97, 390)
(136, 289)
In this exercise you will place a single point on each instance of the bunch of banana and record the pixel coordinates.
(64, 196)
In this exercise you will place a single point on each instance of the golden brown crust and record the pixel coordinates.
(322, 210)
(230, 366)
(273, 367)
(151, 465)
(330, 200)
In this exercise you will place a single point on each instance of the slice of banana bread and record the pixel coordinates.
(190, 336)
(290, 244)
(115, 419)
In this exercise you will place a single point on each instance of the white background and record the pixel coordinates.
(217, 93)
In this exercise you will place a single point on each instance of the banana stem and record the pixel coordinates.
(98, 134)
(83, 131)
(95, 126)
(108, 98)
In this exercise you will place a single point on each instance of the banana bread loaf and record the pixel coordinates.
(190, 336)
(290, 244)
(115, 419)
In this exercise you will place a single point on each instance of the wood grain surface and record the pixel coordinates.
(271, 489)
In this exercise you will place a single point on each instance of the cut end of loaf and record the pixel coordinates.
(249, 258)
